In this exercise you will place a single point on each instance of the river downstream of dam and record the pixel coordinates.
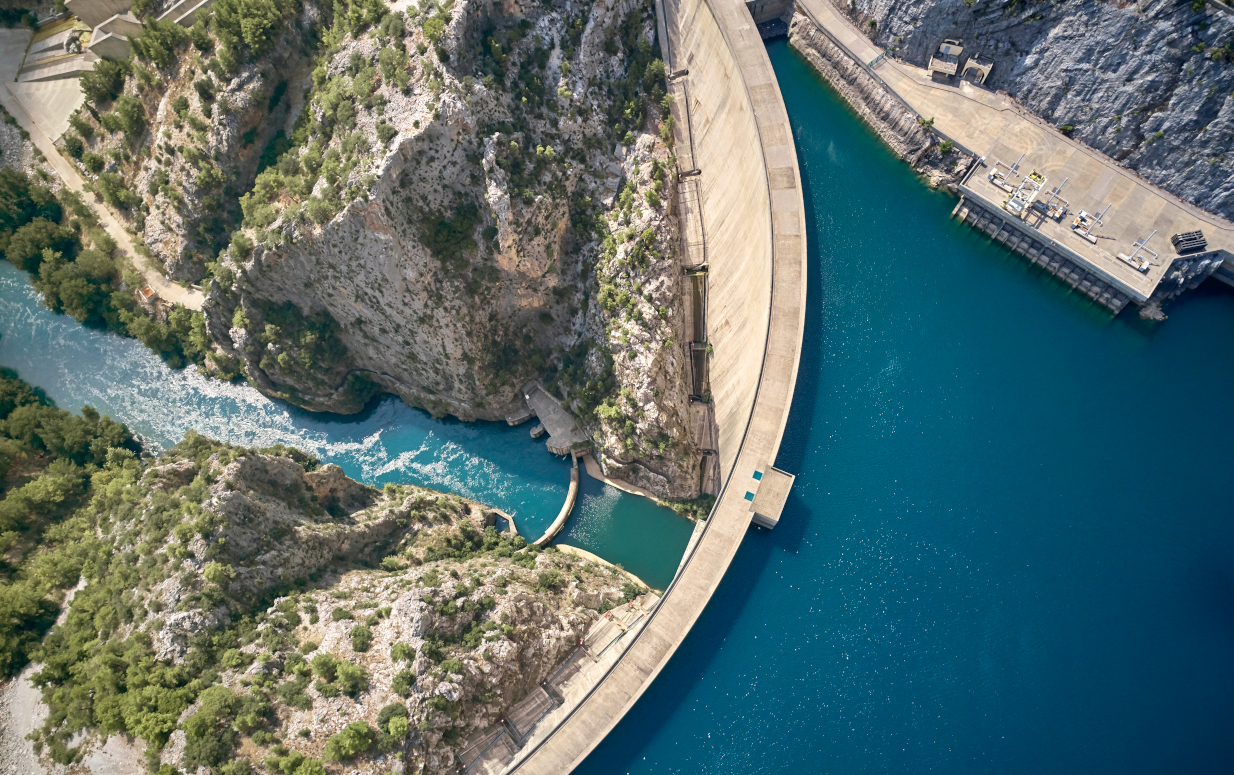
(1009, 547)
(493, 463)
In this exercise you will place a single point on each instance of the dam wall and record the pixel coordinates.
(734, 200)
(744, 226)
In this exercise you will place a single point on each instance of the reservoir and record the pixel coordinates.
(493, 463)
(1010, 545)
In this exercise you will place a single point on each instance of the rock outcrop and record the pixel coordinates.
(283, 613)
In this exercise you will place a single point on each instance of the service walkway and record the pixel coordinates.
(752, 201)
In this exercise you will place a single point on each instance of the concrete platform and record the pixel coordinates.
(992, 125)
(768, 501)
(563, 431)
(50, 103)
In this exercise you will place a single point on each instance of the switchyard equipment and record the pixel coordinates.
(1084, 223)
(1140, 263)
(1025, 194)
(1189, 242)
(1002, 179)
(1056, 207)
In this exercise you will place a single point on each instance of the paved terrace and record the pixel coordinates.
(993, 125)
(752, 203)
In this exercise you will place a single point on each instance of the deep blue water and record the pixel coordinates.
(389, 442)
(1009, 548)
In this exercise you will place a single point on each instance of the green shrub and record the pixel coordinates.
(80, 125)
(356, 738)
(352, 679)
(115, 194)
(295, 694)
(402, 652)
(93, 162)
(339, 614)
(392, 711)
(235, 659)
(403, 681)
(325, 666)
(74, 145)
(361, 637)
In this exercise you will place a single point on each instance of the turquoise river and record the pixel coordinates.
(1010, 544)
(388, 442)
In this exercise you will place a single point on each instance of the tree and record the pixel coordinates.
(94, 163)
(74, 145)
(132, 117)
(26, 246)
(105, 81)
(250, 24)
(158, 41)
(111, 186)
(21, 200)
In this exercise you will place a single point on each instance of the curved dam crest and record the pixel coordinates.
(747, 208)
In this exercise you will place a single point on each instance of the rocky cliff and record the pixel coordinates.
(452, 226)
(1150, 84)
(442, 203)
(897, 125)
(242, 608)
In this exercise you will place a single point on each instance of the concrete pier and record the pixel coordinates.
(566, 508)
(564, 434)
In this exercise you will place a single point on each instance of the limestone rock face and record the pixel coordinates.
(897, 125)
(461, 260)
(1149, 84)
(329, 603)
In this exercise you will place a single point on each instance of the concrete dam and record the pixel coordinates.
(743, 266)
(743, 261)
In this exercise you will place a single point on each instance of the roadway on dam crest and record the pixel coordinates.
(753, 219)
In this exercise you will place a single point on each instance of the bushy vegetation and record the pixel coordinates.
(48, 458)
(72, 263)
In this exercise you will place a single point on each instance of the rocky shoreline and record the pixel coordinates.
(896, 124)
